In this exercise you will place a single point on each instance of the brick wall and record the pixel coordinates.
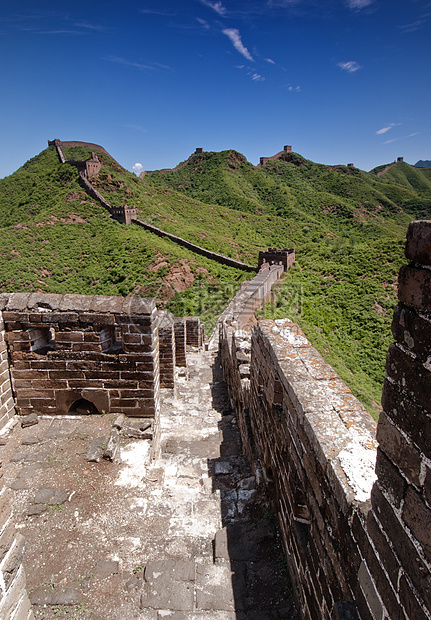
(7, 408)
(193, 332)
(224, 260)
(64, 348)
(399, 524)
(14, 602)
(357, 546)
(180, 341)
(316, 445)
(167, 350)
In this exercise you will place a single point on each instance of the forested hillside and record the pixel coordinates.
(347, 227)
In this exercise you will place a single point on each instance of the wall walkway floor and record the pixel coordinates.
(188, 535)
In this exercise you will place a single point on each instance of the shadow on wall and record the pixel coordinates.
(249, 543)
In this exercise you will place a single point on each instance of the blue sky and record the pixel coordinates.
(150, 80)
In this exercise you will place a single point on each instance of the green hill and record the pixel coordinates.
(347, 227)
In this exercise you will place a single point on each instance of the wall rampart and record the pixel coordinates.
(66, 349)
(7, 405)
(399, 524)
(224, 260)
(355, 515)
(167, 350)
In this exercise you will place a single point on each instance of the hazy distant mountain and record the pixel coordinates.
(423, 163)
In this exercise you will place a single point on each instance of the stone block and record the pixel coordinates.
(410, 374)
(414, 287)
(384, 549)
(398, 449)
(418, 243)
(412, 331)
(417, 517)
(407, 416)
(415, 610)
(403, 547)
(169, 585)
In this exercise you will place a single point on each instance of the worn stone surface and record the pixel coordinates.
(29, 420)
(135, 516)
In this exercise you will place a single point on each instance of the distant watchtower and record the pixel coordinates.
(272, 256)
(287, 149)
(400, 160)
(199, 150)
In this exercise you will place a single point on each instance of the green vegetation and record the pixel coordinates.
(347, 227)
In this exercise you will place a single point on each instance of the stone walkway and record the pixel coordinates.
(189, 535)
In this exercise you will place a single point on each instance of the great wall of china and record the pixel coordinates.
(354, 506)
(353, 499)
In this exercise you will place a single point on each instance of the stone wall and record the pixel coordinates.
(224, 260)
(357, 546)
(316, 446)
(166, 350)
(264, 160)
(7, 407)
(14, 602)
(180, 341)
(68, 348)
(399, 524)
(194, 332)
(273, 256)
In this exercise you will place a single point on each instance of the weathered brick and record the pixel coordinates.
(412, 331)
(406, 415)
(427, 486)
(418, 518)
(390, 478)
(418, 242)
(411, 374)
(395, 446)
(384, 549)
(414, 287)
(402, 545)
(414, 609)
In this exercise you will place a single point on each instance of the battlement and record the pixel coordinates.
(272, 256)
(264, 160)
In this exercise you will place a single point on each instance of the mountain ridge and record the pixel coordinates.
(347, 227)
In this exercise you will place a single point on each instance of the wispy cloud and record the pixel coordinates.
(256, 77)
(137, 128)
(410, 135)
(296, 89)
(203, 23)
(285, 3)
(414, 26)
(383, 130)
(350, 66)
(271, 62)
(215, 6)
(156, 12)
(92, 27)
(134, 64)
(359, 4)
(235, 37)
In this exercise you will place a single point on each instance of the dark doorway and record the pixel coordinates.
(83, 407)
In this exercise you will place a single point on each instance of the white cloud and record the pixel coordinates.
(350, 66)
(379, 132)
(416, 133)
(203, 23)
(235, 37)
(271, 62)
(358, 4)
(297, 89)
(383, 130)
(257, 78)
(216, 6)
(137, 168)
